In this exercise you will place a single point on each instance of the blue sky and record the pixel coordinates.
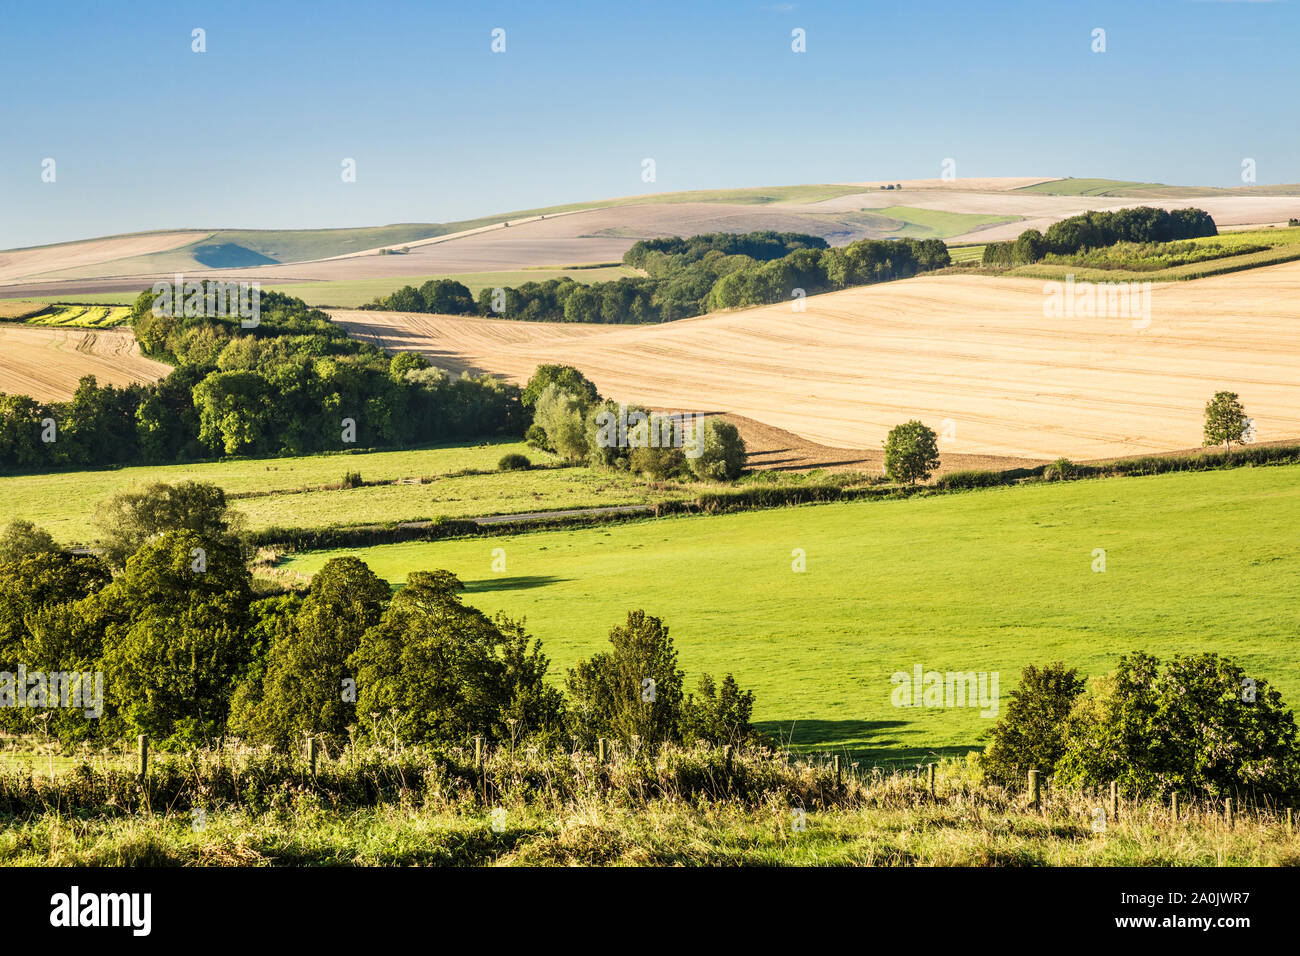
(146, 134)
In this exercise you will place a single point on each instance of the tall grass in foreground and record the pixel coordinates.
(703, 806)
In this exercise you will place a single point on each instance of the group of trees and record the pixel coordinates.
(293, 384)
(189, 652)
(1197, 725)
(571, 420)
(687, 277)
(1092, 230)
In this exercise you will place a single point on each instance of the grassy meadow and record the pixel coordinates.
(350, 293)
(63, 502)
(980, 581)
(1283, 245)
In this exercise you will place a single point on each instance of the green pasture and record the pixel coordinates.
(63, 502)
(981, 581)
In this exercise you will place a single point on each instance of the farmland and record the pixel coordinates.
(46, 362)
(974, 350)
(81, 316)
(61, 502)
(983, 581)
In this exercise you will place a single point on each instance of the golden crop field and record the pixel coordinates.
(974, 357)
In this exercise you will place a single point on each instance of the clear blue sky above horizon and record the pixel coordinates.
(149, 135)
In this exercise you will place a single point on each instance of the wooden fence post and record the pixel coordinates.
(311, 755)
(600, 750)
(1290, 811)
(1227, 811)
(144, 756)
(1114, 801)
(838, 783)
(1035, 794)
(478, 752)
(726, 758)
(932, 766)
(1173, 805)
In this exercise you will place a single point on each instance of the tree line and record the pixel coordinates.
(293, 384)
(687, 277)
(572, 420)
(189, 651)
(1094, 229)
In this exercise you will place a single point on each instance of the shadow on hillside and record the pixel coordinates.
(883, 743)
(517, 583)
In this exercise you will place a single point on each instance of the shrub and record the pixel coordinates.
(721, 453)
(1201, 727)
(1031, 734)
(514, 462)
(973, 478)
(656, 463)
(1060, 470)
(352, 479)
(634, 690)
(719, 715)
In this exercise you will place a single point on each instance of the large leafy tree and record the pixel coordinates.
(129, 519)
(176, 638)
(304, 689)
(435, 670)
(1200, 726)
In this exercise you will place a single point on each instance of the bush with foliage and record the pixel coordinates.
(722, 452)
(1031, 733)
(1200, 726)
(514, 462)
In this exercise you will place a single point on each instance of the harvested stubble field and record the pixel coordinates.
(46, 363)
(972, 350)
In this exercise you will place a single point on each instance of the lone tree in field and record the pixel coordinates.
(1225, 421)
(911, 452)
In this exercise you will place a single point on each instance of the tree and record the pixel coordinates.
(1202, 726)
(130, 518)
(1225, 421)
(721, 451)
(566, 377)
(911, 452)
(435, 670)
(562, 416)
(20, 539)
(633, 692)
(176, 637)
(303, 689)
(448, 297)
(1031, 734)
